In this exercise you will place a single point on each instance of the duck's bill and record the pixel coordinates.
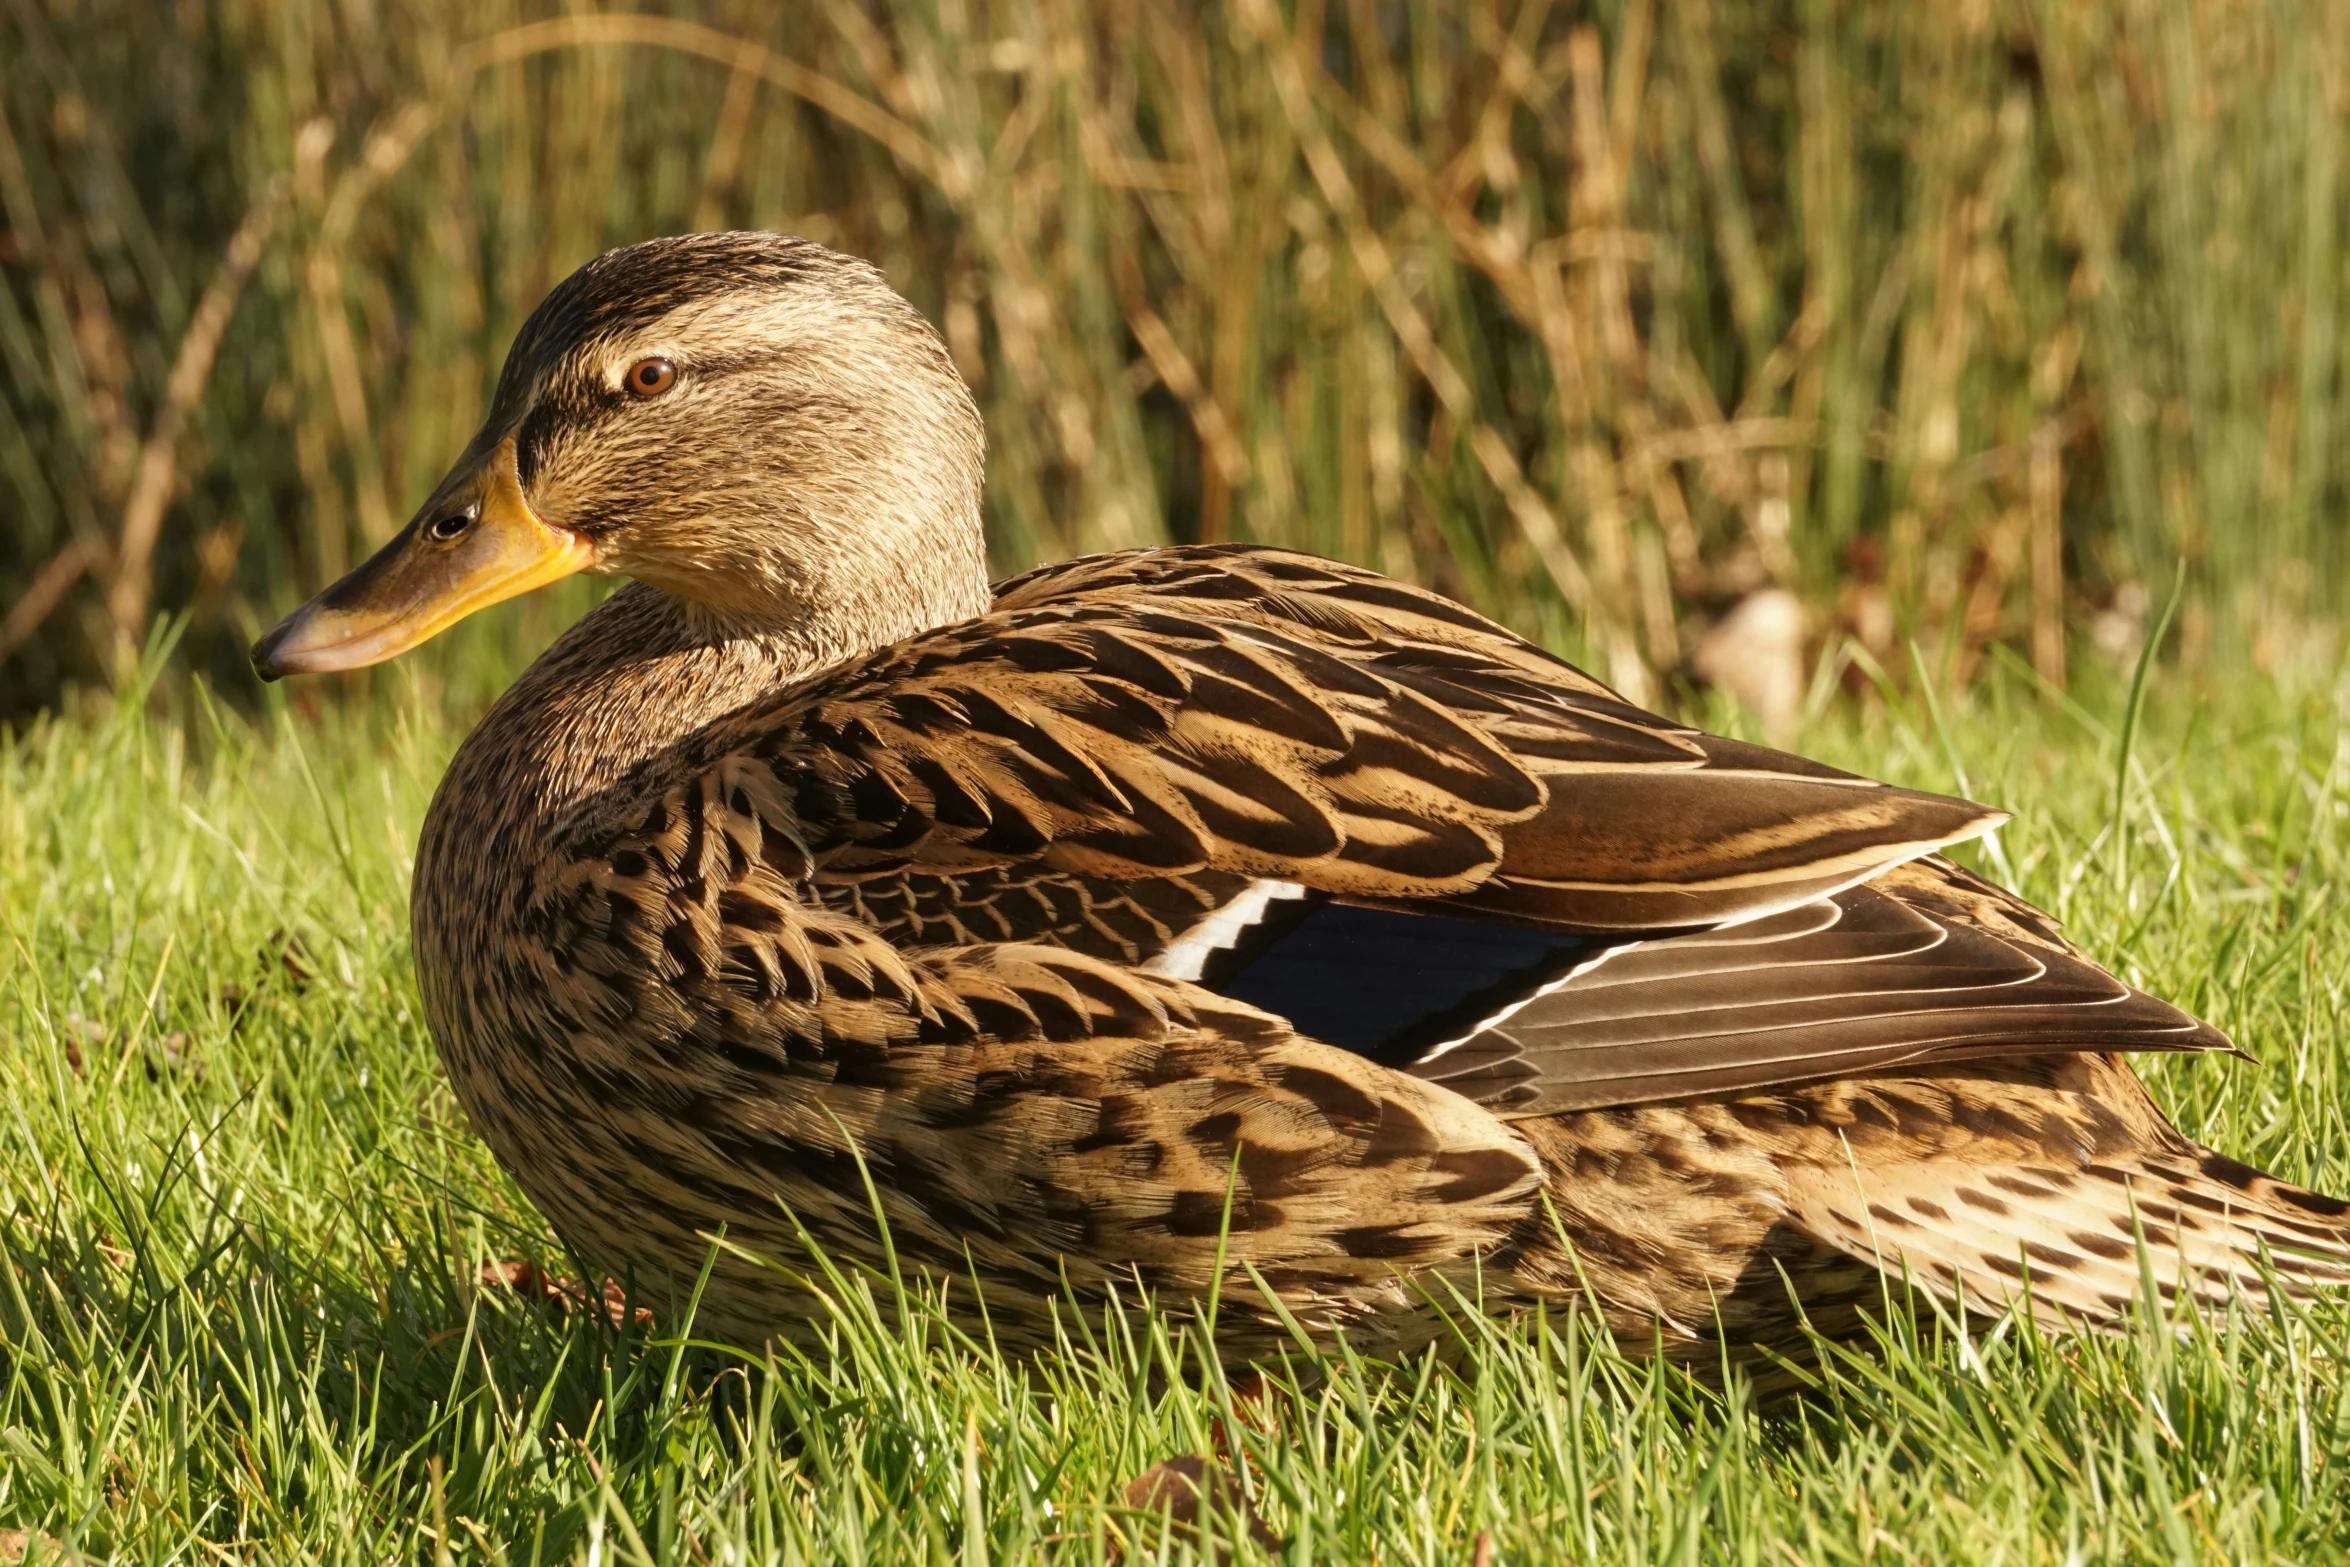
(421, 583)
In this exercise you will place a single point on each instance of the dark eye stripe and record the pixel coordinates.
(530, 443)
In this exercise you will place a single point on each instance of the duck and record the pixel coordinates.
(1211, 925)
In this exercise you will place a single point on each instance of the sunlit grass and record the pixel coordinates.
(241, 1318)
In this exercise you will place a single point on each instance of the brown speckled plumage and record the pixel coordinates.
(809, 848)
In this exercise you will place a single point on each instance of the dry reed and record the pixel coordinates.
(1961, 321)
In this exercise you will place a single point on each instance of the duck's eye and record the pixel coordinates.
(651, 377)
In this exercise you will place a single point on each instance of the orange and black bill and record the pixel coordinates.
(476, 543)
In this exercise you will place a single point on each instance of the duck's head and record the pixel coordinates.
(757, 426)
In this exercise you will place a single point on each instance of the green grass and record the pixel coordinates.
(243, 1221)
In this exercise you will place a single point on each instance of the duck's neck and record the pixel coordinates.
(636, 677)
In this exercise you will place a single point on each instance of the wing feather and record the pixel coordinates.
(1927, 964)
(1237, 710)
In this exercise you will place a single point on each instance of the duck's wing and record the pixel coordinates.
(1371, 812)
(1926, 964)
(1246, 713)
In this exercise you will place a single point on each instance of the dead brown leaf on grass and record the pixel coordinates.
(19, 1545)
(565, 1294)
(170, 1052)
(290, 955)
(1187, 1487)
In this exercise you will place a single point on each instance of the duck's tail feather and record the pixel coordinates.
(2088, 1240)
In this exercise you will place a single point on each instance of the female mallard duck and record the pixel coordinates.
(1190, 904)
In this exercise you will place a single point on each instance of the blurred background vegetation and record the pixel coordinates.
(1839, 325)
